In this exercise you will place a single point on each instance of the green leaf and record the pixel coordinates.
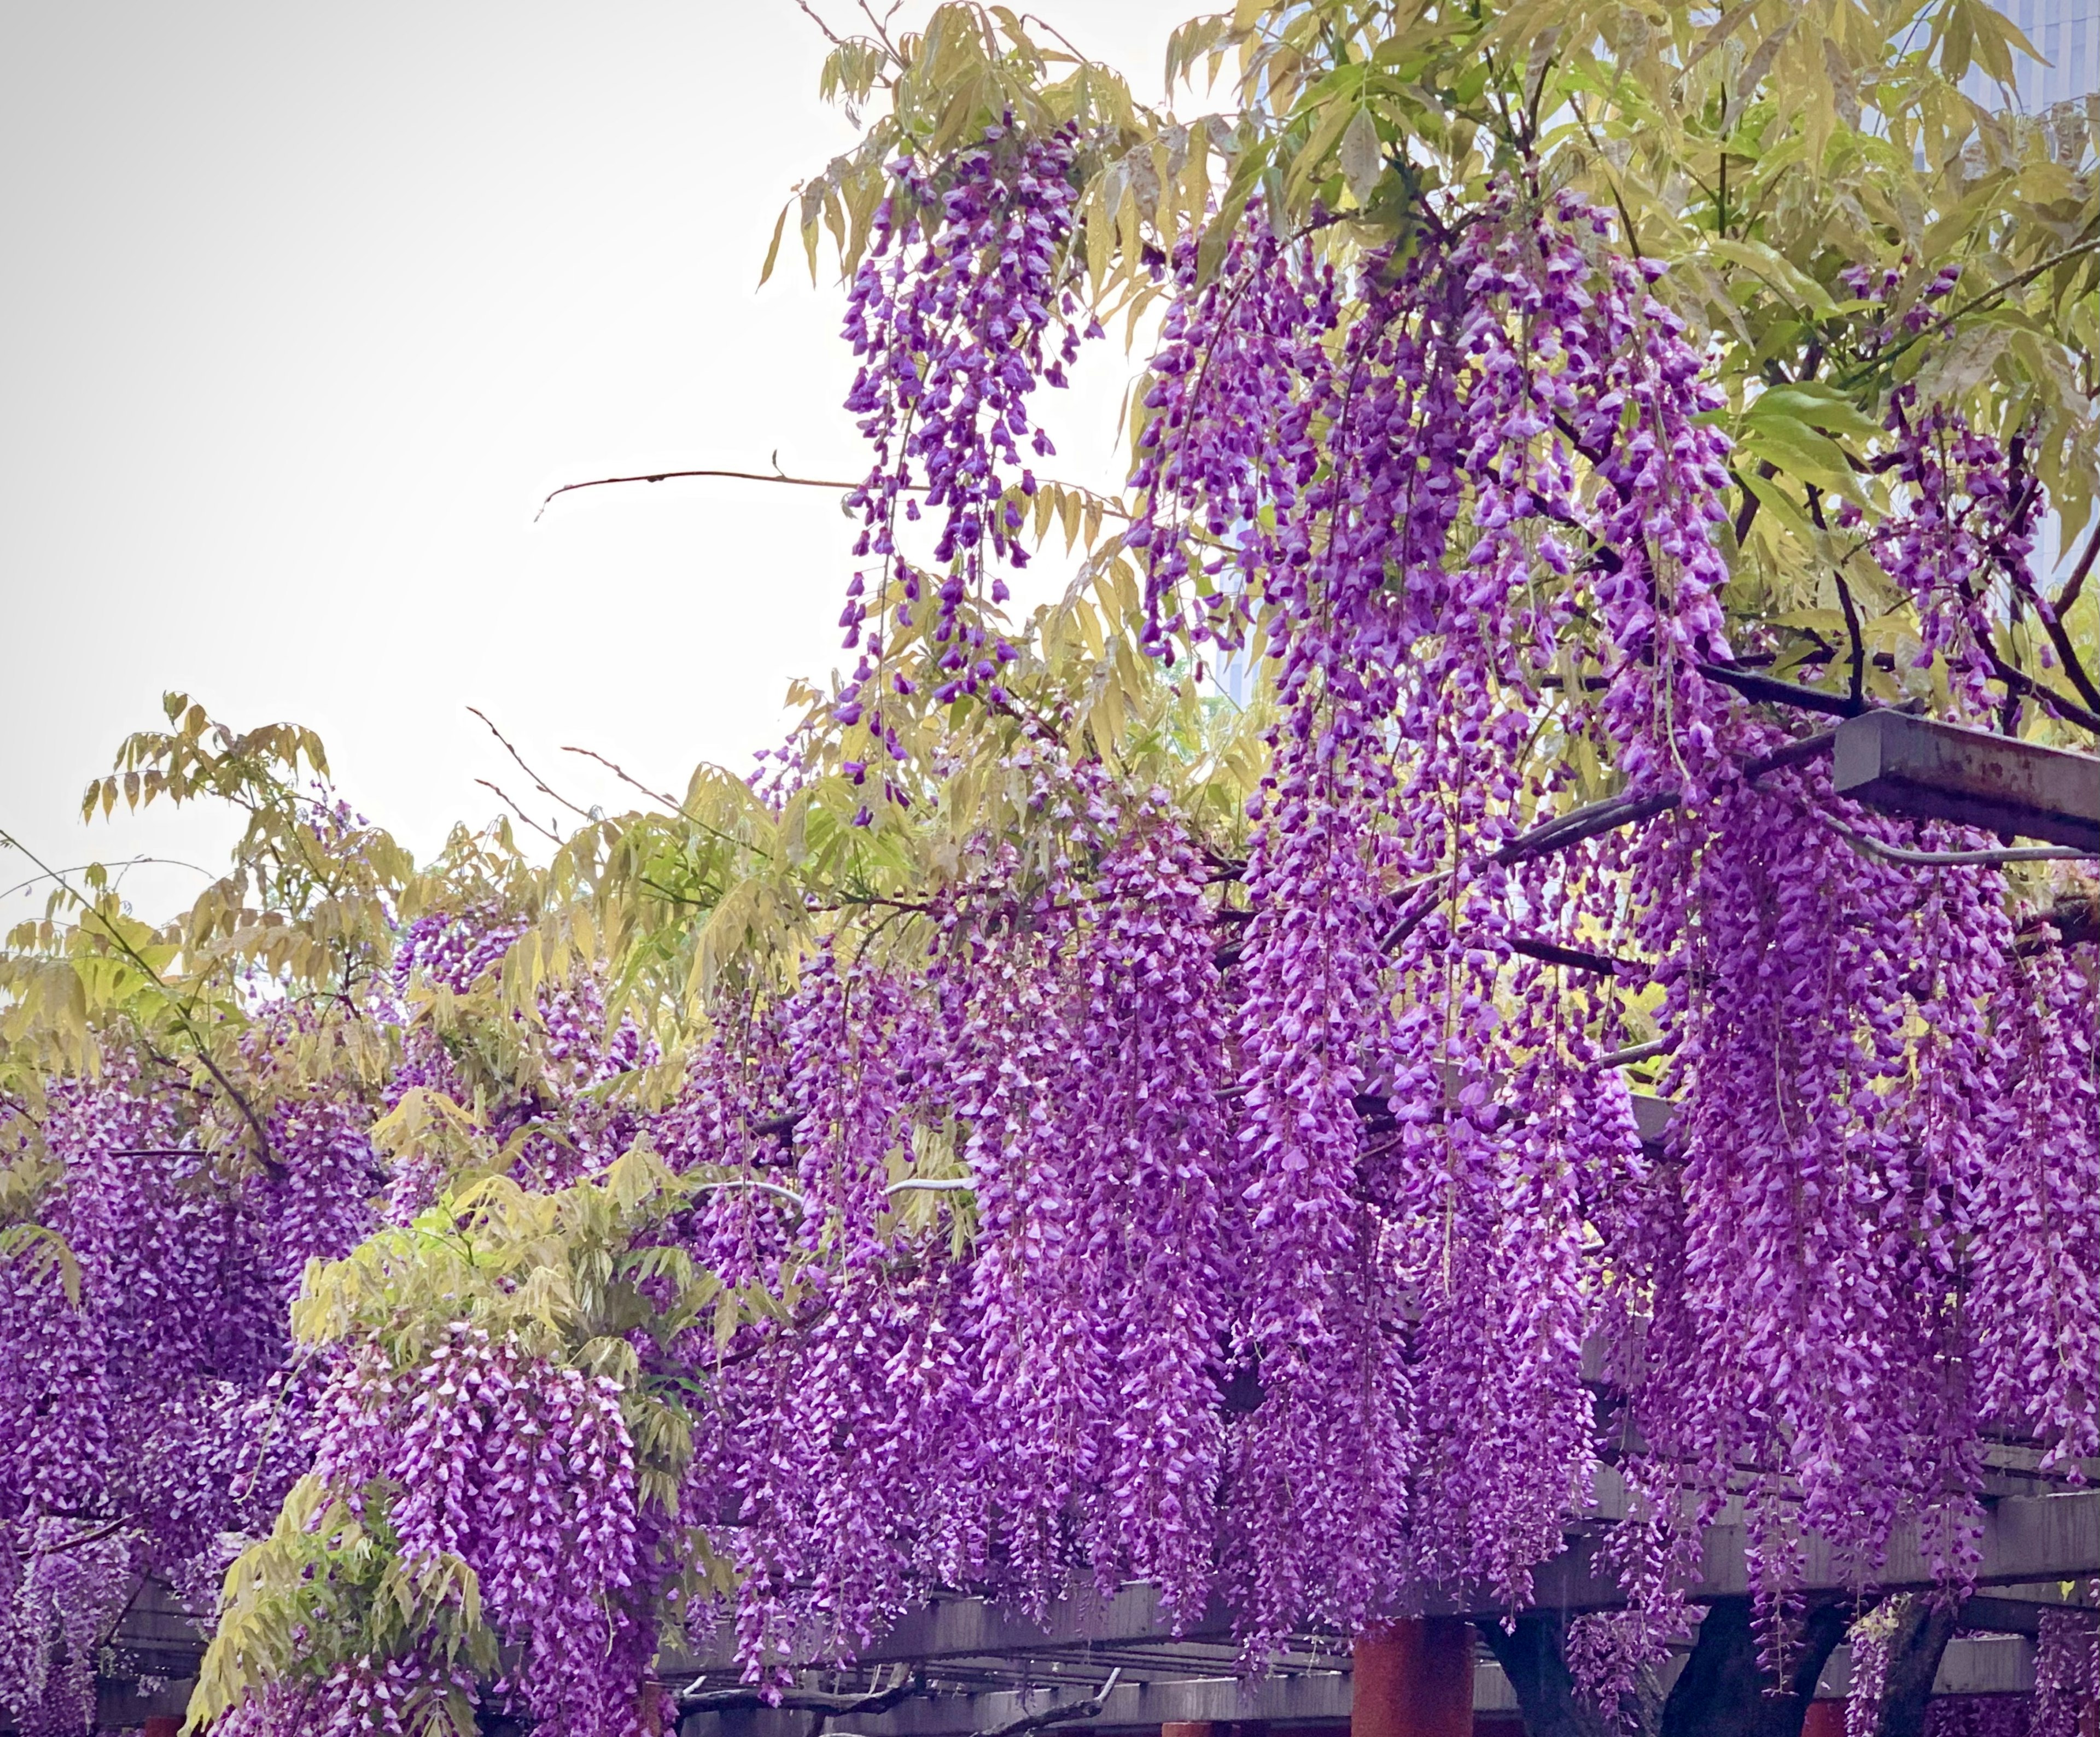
(773, 251)
(1819, 406)
(1803, 452)
(1780, 274)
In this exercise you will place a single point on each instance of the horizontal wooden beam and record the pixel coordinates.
(1998, 1665)
(1985, 1664)
(2025, 1539)
(1916, 766)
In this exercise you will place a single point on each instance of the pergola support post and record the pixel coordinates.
(1413, 1678)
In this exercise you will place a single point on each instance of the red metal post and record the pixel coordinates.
(1414, 1679)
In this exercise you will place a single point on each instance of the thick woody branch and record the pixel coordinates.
(747, 1699)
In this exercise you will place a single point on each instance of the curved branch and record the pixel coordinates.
(1873, 847)
(800, 1701)
(739, 476)
(1070, 1714)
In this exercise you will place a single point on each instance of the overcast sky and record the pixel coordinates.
(305, 307)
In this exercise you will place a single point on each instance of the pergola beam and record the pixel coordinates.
(2025, 1539)
(1997, 1665)
(1912, 765)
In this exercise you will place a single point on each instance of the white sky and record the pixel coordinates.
(305, 307)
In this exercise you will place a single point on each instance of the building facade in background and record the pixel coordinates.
(2066, 34)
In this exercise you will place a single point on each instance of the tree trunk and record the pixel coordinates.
(1923, 1626)
(1723, 1693)
(1534, 1659)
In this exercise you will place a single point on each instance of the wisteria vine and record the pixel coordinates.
(1272, 1222)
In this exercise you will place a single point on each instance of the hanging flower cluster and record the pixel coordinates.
(1966, 518)
(1040, 1398)
(133, 1429)
(1404, 494)
(524, 1470)
(963, 288)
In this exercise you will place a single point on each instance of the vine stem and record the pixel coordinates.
(1873, 847)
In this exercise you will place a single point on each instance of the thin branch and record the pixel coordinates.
(738, 476)
(1873, 847)
(128, 862)
(504, 795)
(2076, 583)
(539, 784)
(752, 1182)
(96, 1537)
(2075, 921)
(1587, 822)
(2017, 681)
(830, 35)
(2018, 280)
(1575, 959)
(1626, 1058)
(1858, 686)
(1107, 507)
(2059, 636)
(943, 1184)
(1752, 686)
(622, 774)
(1072, 1712)
(1793, 754)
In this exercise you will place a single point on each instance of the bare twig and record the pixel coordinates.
(96, 1537)
(1752, 686)
(941, 1184)
(1858, 684)
(128, 862)
(2018, 681)
(1587, 822)
(1793, 754)
(830, 35)
(539, 784)
(1069, 1713)
(2076, 583)
(2075, 921)
(738, 476)
(2059, 636)
(506, 797)
(788, 1195)
(621, 773)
